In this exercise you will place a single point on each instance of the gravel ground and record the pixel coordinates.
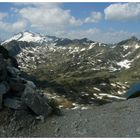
(118, 119)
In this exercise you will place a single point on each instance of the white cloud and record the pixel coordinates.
(12, 27)
(123, 11)
(46, 16)
(19, 25)
(2, 15)
(7, 29)
(95, 34)
(94, 17)
(52, 19)
(77, 33)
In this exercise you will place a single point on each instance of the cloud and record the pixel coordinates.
(12, 27)
(8, 29)
(2, 15)
(95, 34)
(49, 16)
(94, 17)
(123, 12)
(77, 33)
(52, 19)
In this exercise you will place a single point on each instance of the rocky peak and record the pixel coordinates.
(134, 38)
(28, 36)
(129, 41)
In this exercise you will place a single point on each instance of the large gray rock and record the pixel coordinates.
(14, 103)
(3, 88)
(16, 87)
(1, 101)
(14, 72)
(19, 94)
(36, 102)
(3, 71)
(30, 84)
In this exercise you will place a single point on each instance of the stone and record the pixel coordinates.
(36, 102)
(41, 118)
(18, 93)
(14, 62)
(14, 72)
(138, 130)
(28, 90)
(4, 52)
(14, 103)
(30, 84)
(16, 87)
(1, 101)
(57, 130)
(20, 114)
(3, 71)
(3, 88)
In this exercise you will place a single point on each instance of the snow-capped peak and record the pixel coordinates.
(28, 37)
(31, 37)
(15, 37)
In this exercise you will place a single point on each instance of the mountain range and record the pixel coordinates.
(82, 70)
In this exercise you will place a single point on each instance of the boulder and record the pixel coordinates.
(6, 55)
(4, 52)
(36, 102)
(1, 101)
(16, 86)
(13, 72)
(16, 92)
(30, 84)
(3, 88)
(14, 103)
(3, 71)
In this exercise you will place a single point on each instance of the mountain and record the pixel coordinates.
(29, 36)
(82, 70)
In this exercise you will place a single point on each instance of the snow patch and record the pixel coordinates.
(92, 46)
(97, 89)
(137, 46)
(112, 96)
(125, 47)
(125, 64)
(83, 49)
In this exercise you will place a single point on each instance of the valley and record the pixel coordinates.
(80, 71)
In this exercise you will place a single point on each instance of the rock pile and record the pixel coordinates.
(16, 92)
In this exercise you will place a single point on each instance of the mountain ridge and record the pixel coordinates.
(55, 37)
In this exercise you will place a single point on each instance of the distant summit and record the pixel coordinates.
(131, 40)
(29, 36)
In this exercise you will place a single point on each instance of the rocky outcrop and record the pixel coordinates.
(16, 92)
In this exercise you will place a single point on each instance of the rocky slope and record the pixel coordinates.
(16, 92)
(110, 120)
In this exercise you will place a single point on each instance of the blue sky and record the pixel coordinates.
(104, 22)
